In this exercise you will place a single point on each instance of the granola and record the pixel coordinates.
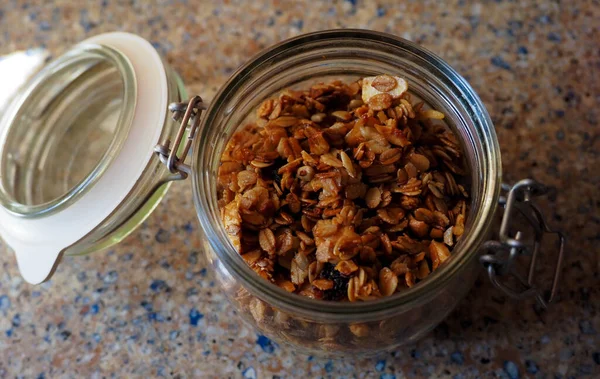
(344, 191)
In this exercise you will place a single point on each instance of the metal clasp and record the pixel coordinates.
(499, 257)
(189, 114)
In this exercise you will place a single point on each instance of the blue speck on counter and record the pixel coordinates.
(511, 369)
(82, 276)
(265, 344)
(381, 11)
(554, 37)
(206, 353)
(387, 376)
(158, 285)
(352, 2)
(531, 366)
(162, 236)
(310, 358)
(188, 227)
(195, 317)
(97, 337)
(299, 24)
(203, 272)
(111, 277)
(415, 354)
(586, 327)
(499, 62)
(156, 316)
(457, 358)
(544, 19)
(44, 26)
(4, 303)
(16, 320)
(380, 366)
(41, 376)
(32, 16)
(94, 309)
(522, 50)
(249, 373)
(35, 294)
(329, 366)
(9, 333)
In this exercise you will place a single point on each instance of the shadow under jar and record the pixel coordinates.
(365, 327)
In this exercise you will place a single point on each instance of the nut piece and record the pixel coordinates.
(380, 101)
(369, 90)
(384, 83)
(438, 253)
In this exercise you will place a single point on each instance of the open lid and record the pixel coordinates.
(110, 95)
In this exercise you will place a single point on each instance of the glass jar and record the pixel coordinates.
(306, 324)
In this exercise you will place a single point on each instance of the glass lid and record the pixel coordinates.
(74, 142)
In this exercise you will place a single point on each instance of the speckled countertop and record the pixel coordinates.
(149, 307)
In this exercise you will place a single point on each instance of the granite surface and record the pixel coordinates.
(149, 307)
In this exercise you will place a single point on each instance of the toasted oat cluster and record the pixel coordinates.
(344, 191)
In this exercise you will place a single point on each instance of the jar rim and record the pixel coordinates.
(325, 310)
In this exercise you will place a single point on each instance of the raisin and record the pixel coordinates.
(340, 283)
(270, 173)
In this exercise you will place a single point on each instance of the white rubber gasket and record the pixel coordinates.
(38, 242)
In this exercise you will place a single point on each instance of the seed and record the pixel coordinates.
(342, 115)
(420, 162)
(318, 117)
(347, 162)
(384, 83)
(259, 164)
(419, 228)
(435, 191)
(285, 121)
(380, 101)
(266, 239)
(355, 103)
(323, 284)
(346, 267)
(373, 197)
(402, 176)
(424, 214)
(265, 109)
(390, 156)
(431, 113)
(388, 281)
(411, 170)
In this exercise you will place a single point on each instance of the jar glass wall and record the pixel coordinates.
(348, 55)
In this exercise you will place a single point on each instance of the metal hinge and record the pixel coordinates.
(189, 114)
(500, 256)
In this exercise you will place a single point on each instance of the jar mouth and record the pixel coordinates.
(64, 129)
(348, 53)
